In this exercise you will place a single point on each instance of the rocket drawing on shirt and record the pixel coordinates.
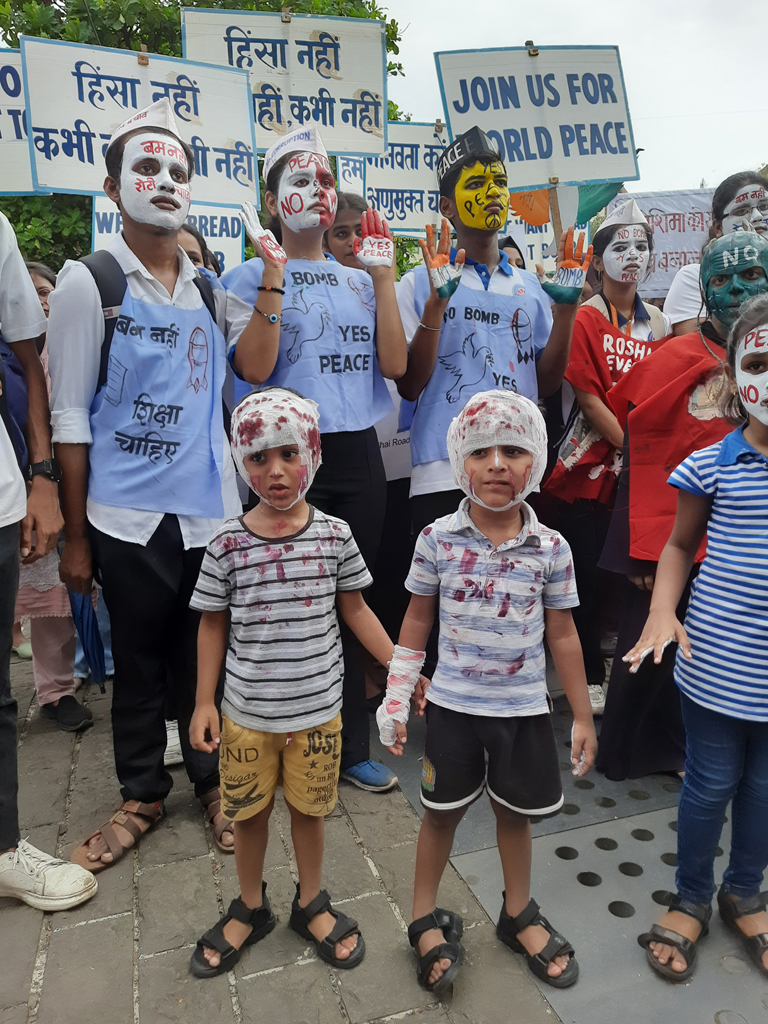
(468, 365)
(522, 333)
(303, 323)
(197, 354)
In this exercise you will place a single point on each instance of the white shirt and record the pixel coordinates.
(21, 318)
(75, 337)
(684, 301)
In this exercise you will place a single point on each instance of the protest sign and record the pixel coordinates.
(330, 73)
(680, 222)
(401, 184)
(77, 95)
(555, 112)
(15, 169)
(220, 226)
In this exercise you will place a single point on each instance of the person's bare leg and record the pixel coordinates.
(432, 853)
(308, 835)
(251, 837)
(513, 835)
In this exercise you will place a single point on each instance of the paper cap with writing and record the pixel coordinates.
(156, 115)
(628, 213)
(472, 143)
(303, 140)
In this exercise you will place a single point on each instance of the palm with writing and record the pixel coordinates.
(264, 242)
(444, 276)
(571, 273)
(376, 247)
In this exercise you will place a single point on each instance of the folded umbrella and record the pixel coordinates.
(87, 628)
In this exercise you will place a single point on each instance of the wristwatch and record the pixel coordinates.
(48, 467)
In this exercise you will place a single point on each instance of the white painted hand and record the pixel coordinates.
(376, 249)
(264, 242)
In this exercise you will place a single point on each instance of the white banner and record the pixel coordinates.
(330, 73)
(681, 223)
(562, 113)
(220, 226)
(15, 169)
(402, 184)
(77, 96)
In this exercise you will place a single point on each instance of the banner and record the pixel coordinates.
(680, 223)
(15, 169)
(555, 112)
(402, 184)
(77, 95)
(330, 73)
(220, 226)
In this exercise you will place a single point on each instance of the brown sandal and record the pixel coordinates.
(211, 802)
(150, 812)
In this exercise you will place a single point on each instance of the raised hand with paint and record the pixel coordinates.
(264, 242)
(444, 272)
(375, 249)
(572, 270)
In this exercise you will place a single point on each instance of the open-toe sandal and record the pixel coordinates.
(452, 927)
(686, 947)
(151, 813)
(211, 802)
(507, 930)
(261, 920)
(732, 910)
(342, 929)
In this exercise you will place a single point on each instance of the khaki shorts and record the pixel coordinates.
(253, 764)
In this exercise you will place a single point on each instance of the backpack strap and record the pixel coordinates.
(203, 285)
(112, 285)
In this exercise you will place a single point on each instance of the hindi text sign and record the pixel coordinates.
(15, 169)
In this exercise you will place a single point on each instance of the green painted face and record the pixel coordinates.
(733, 269)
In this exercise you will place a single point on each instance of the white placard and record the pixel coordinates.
(77, 95)
(15, 169)
(220, 226)
(562, 113)
(330, 73)
(681, 222)
(401, 184)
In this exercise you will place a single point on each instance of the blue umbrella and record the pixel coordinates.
(88, 630)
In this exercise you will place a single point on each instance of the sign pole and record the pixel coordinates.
(554, 211)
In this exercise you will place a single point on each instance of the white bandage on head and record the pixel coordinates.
(271, 418)
(498, 418)
(403, 675)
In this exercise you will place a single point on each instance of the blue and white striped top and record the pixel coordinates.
(727, 620)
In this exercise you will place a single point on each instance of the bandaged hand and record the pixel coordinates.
(404, 671)
(444, 276)
(571, 273)
(264, 242)
(376, 247)
(659, 632)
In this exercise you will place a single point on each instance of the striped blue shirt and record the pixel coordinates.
(727, 620)
(492, 601)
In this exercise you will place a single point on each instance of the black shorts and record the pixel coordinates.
(523, 772)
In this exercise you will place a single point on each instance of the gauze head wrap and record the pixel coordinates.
(493, 418)
(272, 418)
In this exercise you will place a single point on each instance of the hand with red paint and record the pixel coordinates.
(571, 273)
(444, 276)
(375, 248)
(264, 242)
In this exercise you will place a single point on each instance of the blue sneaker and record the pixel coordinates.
(370, 775)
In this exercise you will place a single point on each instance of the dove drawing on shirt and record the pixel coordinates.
(474, 362)
(304, 323)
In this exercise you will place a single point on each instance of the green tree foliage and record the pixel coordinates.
(58, 227)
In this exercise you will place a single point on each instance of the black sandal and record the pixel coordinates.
(452, 927)
(344, 927)
(732, 910)
(686, 947)
(261, 920)
(507, 930)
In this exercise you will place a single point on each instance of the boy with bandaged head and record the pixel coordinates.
(504, 583)
(269, 587)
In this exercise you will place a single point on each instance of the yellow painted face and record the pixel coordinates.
(482, 196)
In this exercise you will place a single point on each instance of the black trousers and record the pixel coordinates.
(9, 779)
(352, 485)
(154, 645)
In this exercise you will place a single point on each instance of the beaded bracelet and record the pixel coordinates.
(269, 288)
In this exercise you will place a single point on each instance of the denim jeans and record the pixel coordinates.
(9, 582)
(726, 759)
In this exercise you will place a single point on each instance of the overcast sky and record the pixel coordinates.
(696, 72)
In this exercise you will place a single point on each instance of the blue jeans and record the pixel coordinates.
(726, 759)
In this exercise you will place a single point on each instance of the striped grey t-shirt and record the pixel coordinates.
(284, 667)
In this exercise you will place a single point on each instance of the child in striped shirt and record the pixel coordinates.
(722, 658)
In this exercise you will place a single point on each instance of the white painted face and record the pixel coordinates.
(750, 205)
(752, 372)
(627, 255)
(306, 194)
(154, 181)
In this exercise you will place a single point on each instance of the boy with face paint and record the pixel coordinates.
(481, 324)
(505, 582)
(146, 464)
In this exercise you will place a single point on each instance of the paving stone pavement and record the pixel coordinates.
(122, 958)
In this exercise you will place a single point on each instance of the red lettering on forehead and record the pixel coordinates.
(622, 233)
(303, 161)
(742, 198)
(757, 338)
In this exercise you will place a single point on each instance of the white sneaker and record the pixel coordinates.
(44, 882)
(597, 699)
(173, 754)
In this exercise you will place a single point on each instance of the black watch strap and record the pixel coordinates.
(48, 467)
